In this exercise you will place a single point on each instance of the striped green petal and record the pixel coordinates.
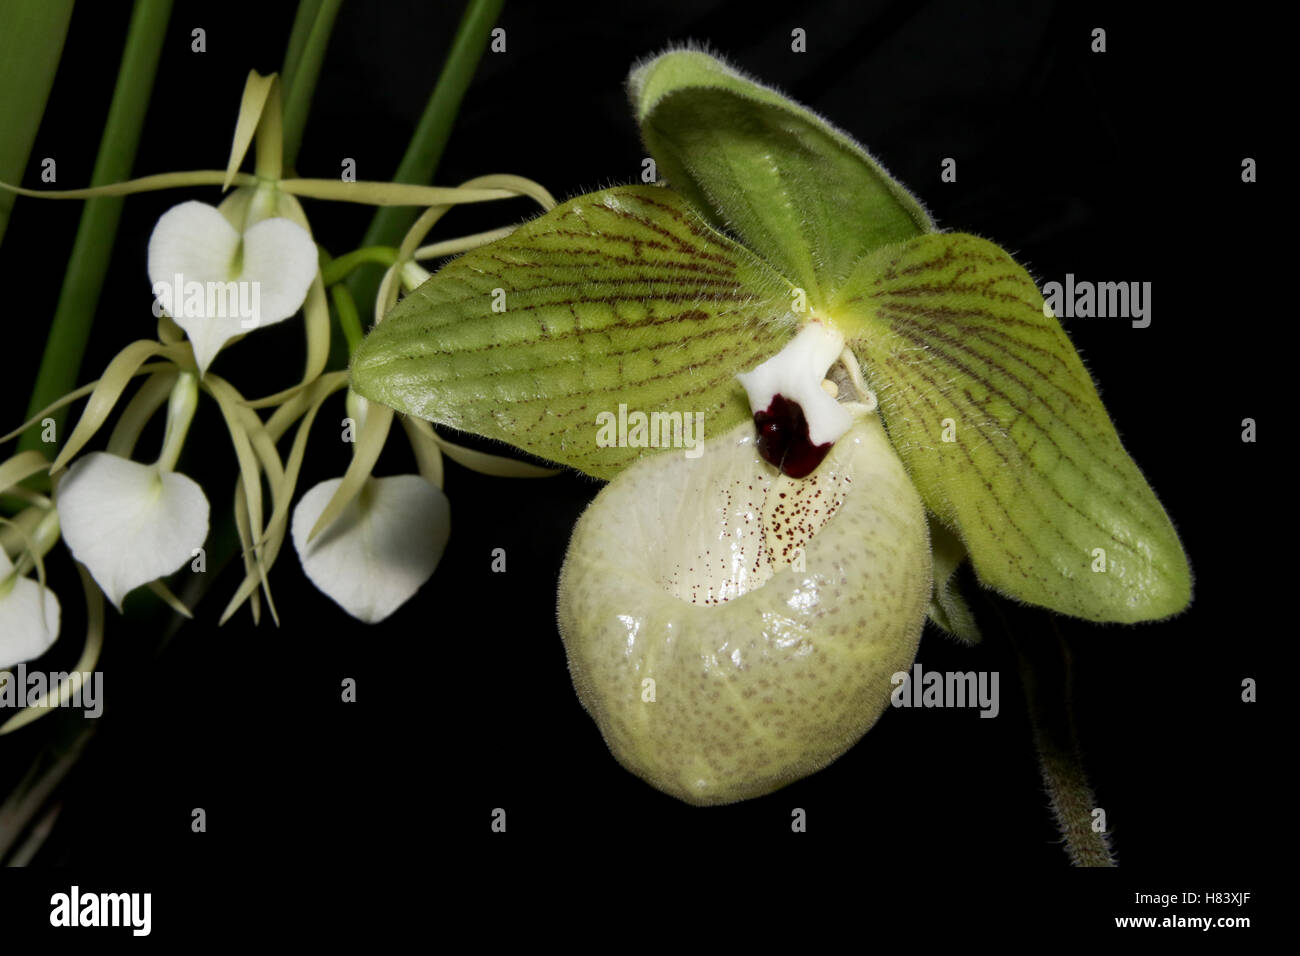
(623, 297)
(1002, 430)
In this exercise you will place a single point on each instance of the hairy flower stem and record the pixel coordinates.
(1046, 674)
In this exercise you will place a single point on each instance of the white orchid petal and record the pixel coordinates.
(193, 240)
(280, 256)
(276, 258)
(29, 619)
(208, 337)
(383, 547)
(129, 523)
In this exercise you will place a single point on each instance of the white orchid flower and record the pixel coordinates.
(218, 282)
(383, 546)
(131, 523)
(29, 612)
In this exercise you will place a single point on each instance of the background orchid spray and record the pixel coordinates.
(882, 400)
(219, 274)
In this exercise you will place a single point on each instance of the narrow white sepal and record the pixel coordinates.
(380, 550)
(275, 258)
(129, 523)
(29, 620)
(797, 372)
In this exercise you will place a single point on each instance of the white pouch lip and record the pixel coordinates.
(764, 670)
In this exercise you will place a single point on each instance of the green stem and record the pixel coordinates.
(268, 160)
(93, 247)
(303, 21)
(349, 318)
(181, 405)
(142, 184)
(1047, 677)
(302, 63)
(41, 781)
(342, 267)
(420, 161)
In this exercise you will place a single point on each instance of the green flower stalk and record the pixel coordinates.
(784, 288)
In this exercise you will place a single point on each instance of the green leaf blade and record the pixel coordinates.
(31, 43)
(795, 189)
(953, 336)
(619, 297)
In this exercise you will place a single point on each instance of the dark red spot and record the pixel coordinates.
(783, 438)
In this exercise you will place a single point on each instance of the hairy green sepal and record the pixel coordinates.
(796, 190)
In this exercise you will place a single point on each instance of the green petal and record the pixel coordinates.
(953, 337)
(797, 191)
(623, 296)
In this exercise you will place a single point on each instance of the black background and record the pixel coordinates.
(1116, 166)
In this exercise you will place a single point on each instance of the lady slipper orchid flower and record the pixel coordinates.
(29, 611)
(131, 523)
(218, 280)
(733, 619)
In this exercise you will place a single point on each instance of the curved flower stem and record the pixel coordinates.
(88, 262)
(388, 194)
(420, 161)
(364, 192)
(349, 317)
(1047, 677)
(85, 664)
(142, 184)
(40, 832)
(36, 788)
(451, 247)
(339, 269)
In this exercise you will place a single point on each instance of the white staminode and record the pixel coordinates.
(380, 550)
(130, 523)
(797, 373)
(206, 274)
(29, 617)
